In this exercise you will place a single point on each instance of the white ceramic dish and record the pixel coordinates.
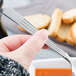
(48, 63)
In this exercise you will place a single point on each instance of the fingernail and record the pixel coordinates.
(43, 34)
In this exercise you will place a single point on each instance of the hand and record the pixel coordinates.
(23, 48)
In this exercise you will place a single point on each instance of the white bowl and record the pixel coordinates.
(48, 63)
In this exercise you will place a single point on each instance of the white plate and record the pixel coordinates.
(48, 63)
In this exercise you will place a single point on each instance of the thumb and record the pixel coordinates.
(35, 43)
(26, 53)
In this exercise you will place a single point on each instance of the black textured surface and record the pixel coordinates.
(9, 67)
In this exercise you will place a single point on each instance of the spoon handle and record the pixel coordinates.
(17, 18)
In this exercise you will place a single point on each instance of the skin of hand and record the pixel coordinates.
(23, 48)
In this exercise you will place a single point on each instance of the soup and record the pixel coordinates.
(53, 72)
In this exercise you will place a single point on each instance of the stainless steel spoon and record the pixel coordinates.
(17, 18)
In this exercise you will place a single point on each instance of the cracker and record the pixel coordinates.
(62, 32)
(40, 21)
(73, 32)
(55, 23)
(69, 39)
(69, 16)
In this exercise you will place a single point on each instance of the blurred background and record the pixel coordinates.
(16, 3)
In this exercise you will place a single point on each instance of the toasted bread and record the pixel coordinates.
(69, 16)
(55, 23)
(73, 32)
(69, 39)
(40, 21)
(62, 32)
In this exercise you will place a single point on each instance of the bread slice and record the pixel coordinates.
(62, 32)
(40, 21)
(69, 16)
(73, 32)
(55, 23)
(69, 39)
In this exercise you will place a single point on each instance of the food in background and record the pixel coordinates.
(73, 32)
(58, 25)
(69, 39)
(69, 16)
(62, 32)
(55, 23)
(40, 21)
